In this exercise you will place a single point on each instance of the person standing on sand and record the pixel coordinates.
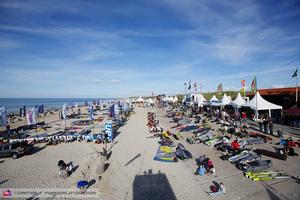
(260, 122)
(271, 127)
(265, 122)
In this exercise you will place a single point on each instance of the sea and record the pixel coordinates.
(13, 105)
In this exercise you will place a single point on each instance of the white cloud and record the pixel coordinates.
(278, 86)
(112, 81)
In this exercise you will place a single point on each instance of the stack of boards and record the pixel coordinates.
(266, 176)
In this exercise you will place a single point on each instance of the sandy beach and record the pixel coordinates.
(133, 174)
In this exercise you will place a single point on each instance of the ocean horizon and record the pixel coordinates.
(13, 105)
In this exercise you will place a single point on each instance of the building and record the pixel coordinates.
(286, 97)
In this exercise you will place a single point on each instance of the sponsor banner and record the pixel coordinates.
(109, 131)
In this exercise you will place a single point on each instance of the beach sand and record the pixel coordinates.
(133, 174)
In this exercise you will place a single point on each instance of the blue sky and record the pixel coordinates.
(123, 48)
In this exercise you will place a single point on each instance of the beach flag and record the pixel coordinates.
(24, 111)
(91, 111)
(295, 74)
(220, 88)
(3, 116)
(41, 109)
(64, 111)
(243, 90)
(112, 111)
(117, 109)
(243, 82)
(190, 85)
(254, 85)
(195, 87)
(31, 116)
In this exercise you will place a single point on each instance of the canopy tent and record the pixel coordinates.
(166, 98)
(214, 101)
(140, 99)
(225, 100)
(171, 99)
(258, 103)
(195, 97)
(201, 100)
(175, 99)
(238, 102)
(151, 101)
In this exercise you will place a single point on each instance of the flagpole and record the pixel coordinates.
(256, 96)
(37, 120)
(297, 90)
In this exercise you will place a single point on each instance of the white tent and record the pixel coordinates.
(171, 99)
(175, 99)
(201, 100)
(151, 101)
(214, 101)
(225, 100)
(258, 103)
(140, 99)
(238, 102)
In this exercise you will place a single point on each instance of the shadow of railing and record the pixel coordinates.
(152, 186)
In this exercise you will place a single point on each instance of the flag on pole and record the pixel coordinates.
(295, 74)
(190, 85)
(91, 111)
(243, 90)
(220, 88)
(31, 116)
(195, 87)
(3, 116)
(41, 109)
(254, 85)
(112, 111)
(243, 82)
(64, 111)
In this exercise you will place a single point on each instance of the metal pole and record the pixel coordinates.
(37, 119)
(297, 90)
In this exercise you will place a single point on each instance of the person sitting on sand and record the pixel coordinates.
(212, 170)
(235, 145)
(217, 191)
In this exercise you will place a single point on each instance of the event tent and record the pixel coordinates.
(175, 99)
(201, 100)
(151, 101)
(225, 100)
(258, 103)
(214, 101)
(238, 102)
(140, 99)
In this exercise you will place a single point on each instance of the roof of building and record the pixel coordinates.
(277, 91)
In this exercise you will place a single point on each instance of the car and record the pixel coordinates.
(15, 150)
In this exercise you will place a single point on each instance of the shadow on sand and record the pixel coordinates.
(152, 186)
(36, 149)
